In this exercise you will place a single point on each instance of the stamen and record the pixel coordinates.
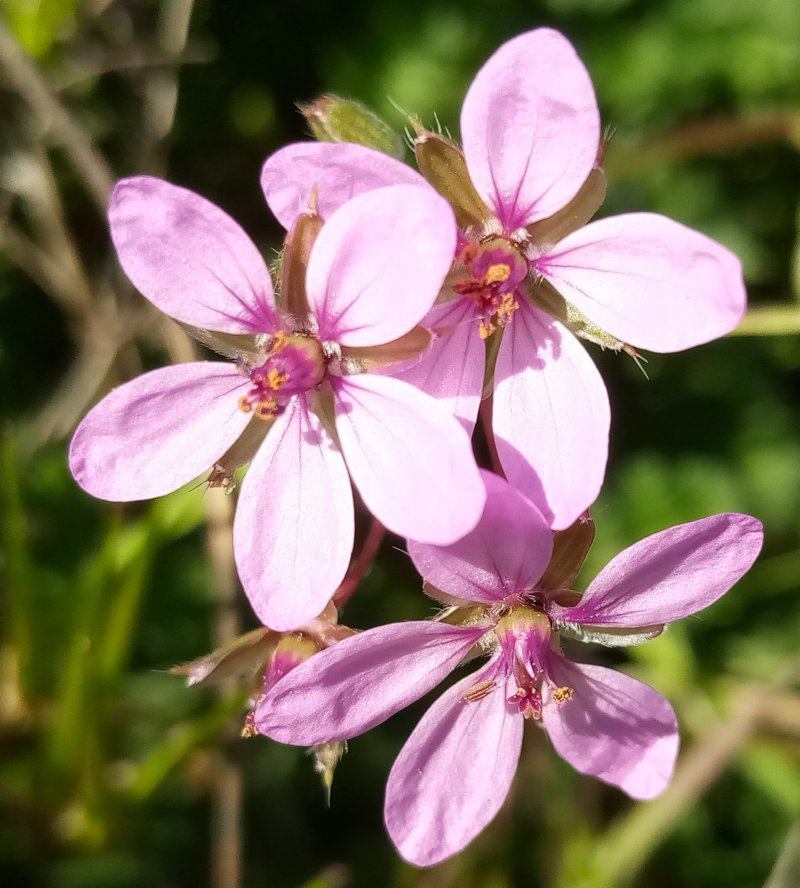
(294, 363)
(249, 728)
(498, 273)
(480, 690)
(561, 695)
(275, 379)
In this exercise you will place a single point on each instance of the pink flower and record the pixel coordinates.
(455, 770)
(523, 190)
(371, 277)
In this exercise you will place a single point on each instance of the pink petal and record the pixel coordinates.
(551, 416)
(670, 574)
(357, 683)
(378, 264)
(454, 773)
(409, 458)
(159, 431)
(293, 534)
(503, 556)
(189, 258)
(649, 281)
(452, 370)
(531, 128)
(335, 171)
(613, 727)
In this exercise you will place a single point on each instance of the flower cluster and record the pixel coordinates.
(404, 300)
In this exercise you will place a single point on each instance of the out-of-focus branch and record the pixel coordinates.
(131, 59)
(161, 92)
(627, 847)
(630, 843)
(361, 563)
(787, 867)
(54, 119)
(705, 137)
(227, 788)
(51, 258)
(769, 320)
(101, 341)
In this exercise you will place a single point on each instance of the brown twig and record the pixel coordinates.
(54, 119)
(705, 137)
(361, 564)
(631, 842)
(485, 415)
(161, 91)
(227, 785)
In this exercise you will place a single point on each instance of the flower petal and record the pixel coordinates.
(504, 555)
(189, 258)
(670, 574)
(454, 772)
(334, 171)
(378, 264)
(551, 416)
(613, 727)
(452, 370)
(409, 458)
(649, 281)
(531, 127)
(293, 534)
(359, 682)
(158, 432)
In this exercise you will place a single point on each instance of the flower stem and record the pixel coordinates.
(361, 564)
(485, 414)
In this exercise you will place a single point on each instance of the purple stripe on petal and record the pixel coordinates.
(293, 533)
(531, 127)
(551, 416)
(452, 370)
(189, 258)
(502, 557)
(670, 574)
(336, 172)
(612, 727)
(357, 683)
(409, 458)
(649, 281)
(454, 773)
(378, 264)
(159, 431)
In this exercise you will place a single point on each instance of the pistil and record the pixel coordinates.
(294, 363)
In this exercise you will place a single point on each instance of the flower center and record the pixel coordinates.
(294, 363)
(496, 269)
(524, 635)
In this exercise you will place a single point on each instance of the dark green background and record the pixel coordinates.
(108, 764)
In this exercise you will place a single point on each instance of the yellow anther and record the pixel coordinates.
(497, 273)
(485, 329)
(507, 308)
(244, 405)
(267, 409)
(561, 695)
(275, 379)
(277, 342)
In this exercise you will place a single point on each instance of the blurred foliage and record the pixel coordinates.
(110, 767)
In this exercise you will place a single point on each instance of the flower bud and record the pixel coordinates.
(333, 119)
(294, 262)
(326, 757)
(570, 548)
(442, 163)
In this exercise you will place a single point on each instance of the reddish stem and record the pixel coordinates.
(485, 414)
(361, 564)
